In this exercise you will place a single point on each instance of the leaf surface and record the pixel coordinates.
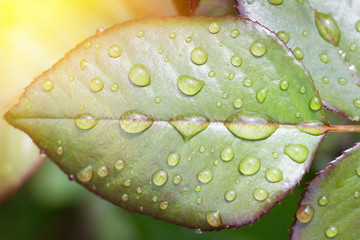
(333, 201)
(323, 48)
(197, 121)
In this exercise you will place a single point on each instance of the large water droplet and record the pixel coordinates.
(236, 61)
(85, 174)
(315, 103)
(115, 51)
(357, 102)
(135, 121)
(260, 194)
(258, 48)
(198, 56)
(85, 121)
(124, 197)
(250, 125)
(173, 159)
(249, 165)
(214, 27)
(189, 85)
(227, 154)
(140, 33)
(139, 75)
(190, 125)
(102, 171)
(164, 205)
(160, 177)
(247, 82)
(331, 231)
(48, 85)
(327, 27)
(298, 53)
(305, 213)
(230, 195)
(214, 218)
(283, 36)
(313, 128)
(119, 164)
(275, 2)
(96, 84)
(273, 174)
(205, 175)
(261, 95)
(284, 85)
(296, 152)
(324, 58)
(323, 200)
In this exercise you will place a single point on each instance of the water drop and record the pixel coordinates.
(224, 96)
(230, 195)
(284, 36)
(154, 198)
(331, 231)
(231, 76)
(275, 155)
(324, 58)
(356, 194)
(158, 100)
(260, 194)
(119, 164)
(205, 175)
(342, 81)
(115, 51)
(188, 40)
(135, 121)
(353, 47)
(216, 162)
(96, 84)
(202, 149)
(85, 174)
(247, 82)
(275, 2)
(323, 200)
(305, 33)
(71, 78)
(114, 87)
(298, 53)
(127, 183)
(138, 190)
(238, 102)
(48, 85)
(312, 128)
(60, 150)
(357, 102)
(325, 80)
(189, 85)
(172, 35)
(305, 213)
(315, 103)
(189, 126)
(173, 159)
(250, 126)
(236, 61)
(357, 170)
(261, 95)
(327, 28)
(197, 188)
(102, 171)
(302, 90)
(85, 121)
(164, 205)
(234, 33)
(273, 174)
(124, 197)
(83, 64)
(284, 85)
(249, 165)
(214, 218)
(139, 75)
(296, 152)
(198, 56)
(258, 48)
(227, 154)
(160, 177)
(211, 74)
(140, 33)
(214, 27)
(177, 179)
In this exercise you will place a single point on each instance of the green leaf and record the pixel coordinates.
(323, 36)
(331, 205)
(114, 117)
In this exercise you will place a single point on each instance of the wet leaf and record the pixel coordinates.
(323, 35)
(331, 205)
(117, 121)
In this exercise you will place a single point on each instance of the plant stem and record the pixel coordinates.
(343, 128)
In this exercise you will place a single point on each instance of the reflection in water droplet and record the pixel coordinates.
(139, 75)
(327, 27)
(260, 194)
(48, 85)
(119, 164)
(250, 126)
(331, 231)
(315, 103)
(284, 36)
(214, 27)
(214, 218)
(115, 51)
(85, 121)
(323, 200)
(96, 84)
(298, 53)
(227, 154)
(173, 159)
(258, 48)
(177, 179)
(305, 213)
(189, 85)
(85, 174)
(102, 171)
(189, 126)
(249, 165)
(198, 56)
(160, 177)
(296, 152)
(135, 121)
(230, 195)
(324, 58)
(273, 174)
(261, 95)
(205, 175)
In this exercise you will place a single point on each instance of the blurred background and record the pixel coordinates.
(34, 34)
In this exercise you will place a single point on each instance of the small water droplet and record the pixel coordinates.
(158, 100)
(211, 74)
(96, 84)
(260, 194)
(342, 81)
(251, 126)
(83, 64)
(224, 96)
(138, 190)
(275, 155)
(205, 175)
(331, 231)
(100, 31)
(236, 61)
(85, 121)
(139, 75)
(284, 36)
(119, 164)
(114, 51)
(173, 159)
(325, 80)
(218, 104)
(140, 33)
(315, 103)
(214, 218)
(154, 198)
(231, 76)
(114, 87)
(305, 33)
(188, 40)
(302, 90)
(357, 102)
(353, 47)
(71, 78)
(102, 171)
(135, 121)
(247, 82)
(238, 102)
(296, 152)
(177, 179)
(275, 2)
(202, 149)
(160, 177)
(356, 194)
(198, 231)
(85, 174)
(298, 53)
(214, 27)
(199, 200)
(127, 183)
(284, 85)
(48, 85)
(227, 154)
(198, 56)
(258, 48)
(324, 58)
(327, 27)
(261, 95)
(234, 33)
(197, 188)
(249, 165)
(305, 213)
(124, 197)
(230, 195)
(60, 150)
(357, 170)
(323, 200)
(216, 162)
(81, 107)
(273, 174)
(189, 126)
(172, 35)
(164, 205)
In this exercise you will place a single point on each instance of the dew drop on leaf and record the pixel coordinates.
(60, 150)
(198, 56)
(96, 84)
(164, 205)
(315, 103)
(102, 171)
(48, 85)
(357, 102)
(85, 174)
(119, 164)
(214, 218)
(214, 27)
(85, 121)
(236, 61)
(296, 152)
(127, 183)
(353, 47)
(83, 64)
(298, 53)
(124, 197)
(324, 58)
(189, 85)
(249, 165)
(331, 231)
(189, 126)
(342, 81)
(135, 121)
(273, 174)
(230, 195)
(227, 154)
(258, 48)
(275, 2)
(140, 33)
(284, 36)
(238, 102)
(139, 75)
(284, 85)
(172, 35)
(173, 159)
(261, 95)
(234, 33)
(114, 51)
(247, 82)
(205, 175)
(357, 170)
(260, 194)
(312, 128)
(327, 27)
(160, 177)
(177, 179)
(325, 80)
(305, 213)
(323, 200)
